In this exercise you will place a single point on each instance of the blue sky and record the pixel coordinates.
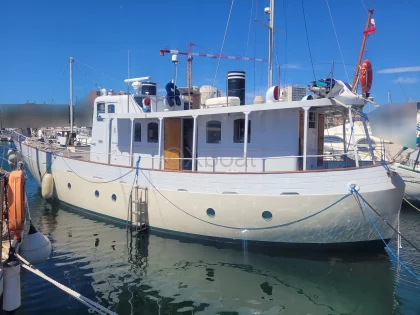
(39, 36)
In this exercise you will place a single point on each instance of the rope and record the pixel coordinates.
(361, 114)
(380, 235)
(49, 166)
(245, 228)
(399, 83)
(130, 199)
(338, 42)
(411, 204)
(277, 63)
(395, 230)
(6, 213)
(249, 30)
(307, 39)
(285, 42)
(58, 83)
(93, 82)
(363, 3)
(223, 43)
(88, 302)
(93, 182)
(102, 73)
(255, 46)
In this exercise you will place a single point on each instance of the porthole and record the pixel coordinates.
(211, 213)
(114, 197)
(96, 193)
(267, 215)
(69, 186)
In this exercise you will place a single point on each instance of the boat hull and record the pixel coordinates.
(307, 208)
(412, 182)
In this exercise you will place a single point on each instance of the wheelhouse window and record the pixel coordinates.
(137, 132)
(139, 100)
(312, 119)
(153, 132)
(214, 131)
(111, 108)
(239, 130)
(100, 109)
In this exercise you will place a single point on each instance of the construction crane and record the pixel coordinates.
(190, 55)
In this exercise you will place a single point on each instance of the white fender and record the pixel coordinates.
(13, 156)
(36, 247)
(11, 285)
(47, 186)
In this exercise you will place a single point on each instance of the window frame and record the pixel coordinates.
(135, 131)
(219, 131)
(113, 108)
(314, 120)
(150, 139)
(99, 112)
(237, 130)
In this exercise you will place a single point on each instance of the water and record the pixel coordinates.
(149, 274)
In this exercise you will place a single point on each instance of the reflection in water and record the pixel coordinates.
(149, 274)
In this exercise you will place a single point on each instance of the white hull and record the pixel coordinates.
(179, 200)
(412, 181)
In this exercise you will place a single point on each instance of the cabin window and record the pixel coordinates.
(333, 139)
(111, 108)
(363, 145)
(100, 109)
(153, 132)
(239, 130)
(137, 132)
(214, 131)
(312, 120)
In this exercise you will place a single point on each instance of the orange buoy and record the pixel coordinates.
(16, 200)
(366, 76)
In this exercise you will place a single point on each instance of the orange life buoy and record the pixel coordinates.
(16, 200)
(366, 76)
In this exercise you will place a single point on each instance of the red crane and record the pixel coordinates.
(190, 55)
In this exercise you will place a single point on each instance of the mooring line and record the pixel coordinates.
(82, 299)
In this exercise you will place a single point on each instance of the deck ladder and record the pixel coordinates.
(139, 209)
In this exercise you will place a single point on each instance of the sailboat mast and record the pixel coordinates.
(362, 48)
(71, 96)
(270, 44)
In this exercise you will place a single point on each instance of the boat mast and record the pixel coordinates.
(362, 48)
(270, 12)
(71, 98)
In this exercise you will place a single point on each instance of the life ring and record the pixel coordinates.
(366, 76)
(16, 200)
(172, 94)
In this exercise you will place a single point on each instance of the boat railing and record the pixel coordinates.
(225, 163)
(218, 164)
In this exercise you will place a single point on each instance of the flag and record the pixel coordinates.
(371, 29)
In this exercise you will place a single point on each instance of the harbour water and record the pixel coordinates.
(151, 274)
